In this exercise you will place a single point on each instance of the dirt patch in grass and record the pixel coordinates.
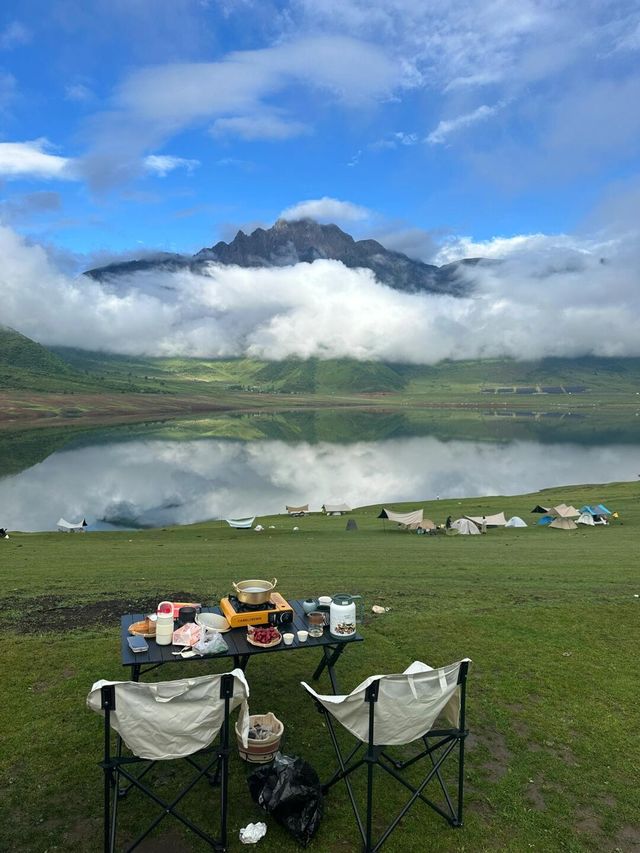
(50, 613)
(628, 838)
(500, 756)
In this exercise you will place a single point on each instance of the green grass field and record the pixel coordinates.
(549, 618)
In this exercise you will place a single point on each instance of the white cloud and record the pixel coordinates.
(326, 209)
(162, 164)
(555, 302)
(448, 126)
(155, 103)
(78, 92)
(259, 127)
(13, 35)
(31, 160)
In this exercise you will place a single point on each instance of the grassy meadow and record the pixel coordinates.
(549, 618)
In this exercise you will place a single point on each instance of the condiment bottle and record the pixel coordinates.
(164, 623)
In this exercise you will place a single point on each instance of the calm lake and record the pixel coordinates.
(183, 472)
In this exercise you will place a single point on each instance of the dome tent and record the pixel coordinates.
(516, 521)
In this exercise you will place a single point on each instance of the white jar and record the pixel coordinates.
(342, 615)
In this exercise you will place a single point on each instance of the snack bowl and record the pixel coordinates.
(213, 621)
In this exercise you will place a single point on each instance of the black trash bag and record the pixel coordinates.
(289, 789)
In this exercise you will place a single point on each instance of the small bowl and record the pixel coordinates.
(309, 604)
(213, 621)
(302, 636)
(288, 639)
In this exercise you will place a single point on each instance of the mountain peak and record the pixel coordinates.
(293, 241)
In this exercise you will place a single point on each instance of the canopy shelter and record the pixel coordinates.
(465, 527)
(541, 509)
(586, 518)
(497, 520)
(335, 509)
(404, 518)
(241, 523)
(563, 524)
(564, 511)
(297, 510)
(516, 521)
(69, 527)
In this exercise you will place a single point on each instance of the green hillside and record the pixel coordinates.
(24, 363)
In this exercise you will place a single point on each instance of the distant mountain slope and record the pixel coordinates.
(21, 355)
(305, 241)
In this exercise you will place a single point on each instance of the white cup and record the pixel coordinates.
(302, 636)
(288, 639)
(324, 599)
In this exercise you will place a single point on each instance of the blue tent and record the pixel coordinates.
(546, 519)
(602, 509)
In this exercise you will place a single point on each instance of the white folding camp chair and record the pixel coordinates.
(161, 722)
(392, 710)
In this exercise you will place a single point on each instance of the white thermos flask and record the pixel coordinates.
(164, 623)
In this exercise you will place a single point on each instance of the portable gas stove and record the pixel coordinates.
(276, 611)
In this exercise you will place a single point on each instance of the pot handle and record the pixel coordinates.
(234, 585)
(274, 583)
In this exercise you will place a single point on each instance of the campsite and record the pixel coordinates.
(545, 617)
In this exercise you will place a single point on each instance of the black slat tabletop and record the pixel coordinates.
(236, 640)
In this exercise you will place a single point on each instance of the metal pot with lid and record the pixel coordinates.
(254, 591)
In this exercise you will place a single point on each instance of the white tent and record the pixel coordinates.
(465, 527)
(406, 518)
(241, 523)
(497, 520)
(335, 509)
(516, 521)
(67, 526)
(586, 518)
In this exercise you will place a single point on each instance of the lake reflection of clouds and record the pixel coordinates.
(155, 483)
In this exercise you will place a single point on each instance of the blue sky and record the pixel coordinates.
(129, 125)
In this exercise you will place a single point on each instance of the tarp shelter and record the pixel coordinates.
(497, 520)
(546, 519)
(563, 524)
(335, 509)
(405, 518)
(241, 523)
(68, 527)
(516, 521)
(297, 510)
(586, 518)
(541, 509)
(465, 527)
(564, 511)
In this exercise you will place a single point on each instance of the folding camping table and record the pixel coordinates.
(238, 648)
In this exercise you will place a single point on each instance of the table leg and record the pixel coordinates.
(329, 661)
(240, 661)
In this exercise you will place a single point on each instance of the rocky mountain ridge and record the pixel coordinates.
(305, 241)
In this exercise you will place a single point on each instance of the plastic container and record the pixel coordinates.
(261, 751)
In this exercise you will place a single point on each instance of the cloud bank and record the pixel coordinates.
(561, 302)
